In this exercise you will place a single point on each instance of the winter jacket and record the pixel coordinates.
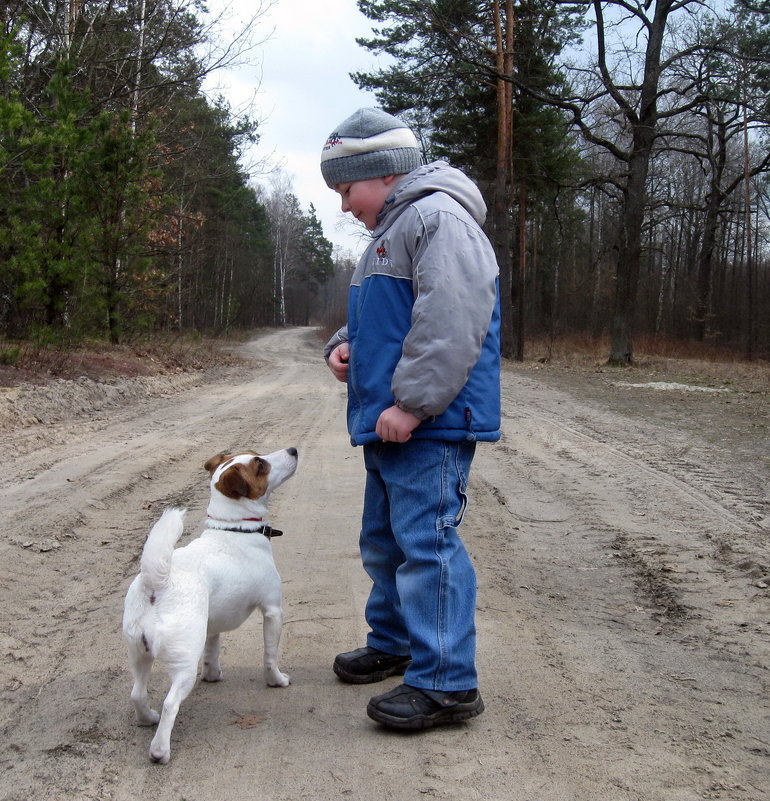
(424, 314)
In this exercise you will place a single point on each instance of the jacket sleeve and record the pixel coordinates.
(338, 338)
(455, 287)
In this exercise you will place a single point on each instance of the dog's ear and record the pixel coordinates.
(233, 483)
(214, 462)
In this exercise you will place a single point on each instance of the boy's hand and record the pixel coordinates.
(396, 425)
(338, 361)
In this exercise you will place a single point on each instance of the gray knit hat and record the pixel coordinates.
(369, 144)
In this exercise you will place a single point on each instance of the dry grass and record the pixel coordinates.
(702, 363)
(22, 361)
(164, 353)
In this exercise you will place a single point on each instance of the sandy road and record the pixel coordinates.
(624, 632)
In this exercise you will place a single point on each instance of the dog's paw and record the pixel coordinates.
(148, 718)
(275, 678)
(210, 673)
(161, 757)
(160, 752)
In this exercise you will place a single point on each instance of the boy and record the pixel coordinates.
(421, 357)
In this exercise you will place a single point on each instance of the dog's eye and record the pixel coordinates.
(261, 467)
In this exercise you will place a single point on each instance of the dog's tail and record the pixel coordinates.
(156, 556)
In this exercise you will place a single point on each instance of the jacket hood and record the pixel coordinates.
(435, 177)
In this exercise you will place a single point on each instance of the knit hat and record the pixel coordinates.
(369, 144)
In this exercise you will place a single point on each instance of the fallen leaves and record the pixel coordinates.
(248, 721)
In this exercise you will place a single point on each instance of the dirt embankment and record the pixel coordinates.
(620, 533)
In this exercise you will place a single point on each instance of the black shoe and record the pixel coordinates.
(407, 707)
(367, 665)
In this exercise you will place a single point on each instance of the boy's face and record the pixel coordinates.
(365, 199)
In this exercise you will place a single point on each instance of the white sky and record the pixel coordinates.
(301, 75)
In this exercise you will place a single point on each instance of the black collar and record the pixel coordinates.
(268, 531)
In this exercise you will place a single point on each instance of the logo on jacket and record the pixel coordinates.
(381, 257)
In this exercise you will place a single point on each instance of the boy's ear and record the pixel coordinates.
(388, 179)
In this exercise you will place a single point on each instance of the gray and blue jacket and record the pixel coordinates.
(424, 314)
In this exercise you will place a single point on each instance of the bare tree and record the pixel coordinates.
(286, 226)
(619, 101)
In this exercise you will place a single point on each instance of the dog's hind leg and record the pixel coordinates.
(211, 669)
(141, 664)
(182, 681)
(272, 621)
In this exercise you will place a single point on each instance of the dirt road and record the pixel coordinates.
(620, 535)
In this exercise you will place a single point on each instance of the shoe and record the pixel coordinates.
(367, 665)
(408, 707)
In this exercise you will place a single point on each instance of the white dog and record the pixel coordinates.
(183, 599)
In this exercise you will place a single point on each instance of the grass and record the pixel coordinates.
(160, 353)
(702, 362)
(26, 361)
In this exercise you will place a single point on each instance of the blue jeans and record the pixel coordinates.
(423, 600)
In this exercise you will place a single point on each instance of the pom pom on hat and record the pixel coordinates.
(369, 144)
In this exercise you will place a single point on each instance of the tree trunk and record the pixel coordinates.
(510, 299)
(708, 243)
(749, 352)
(628, 249)
(522, 271)
(112, 302)
(628, 258)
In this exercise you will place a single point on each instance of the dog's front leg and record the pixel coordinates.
(211, 669)
(272, 622)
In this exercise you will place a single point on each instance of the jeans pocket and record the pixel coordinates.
(462, 492)
(457, 468)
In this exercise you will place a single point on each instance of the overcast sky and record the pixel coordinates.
(303, 92)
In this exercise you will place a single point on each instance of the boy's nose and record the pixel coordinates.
(345, 205)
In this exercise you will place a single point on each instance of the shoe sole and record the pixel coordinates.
(370, 678)
(439, 718)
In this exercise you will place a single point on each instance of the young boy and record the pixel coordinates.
(421, 357)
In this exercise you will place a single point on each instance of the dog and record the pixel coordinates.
(184, 598)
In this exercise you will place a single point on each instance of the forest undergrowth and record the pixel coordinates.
(30, 362)
(26, 361)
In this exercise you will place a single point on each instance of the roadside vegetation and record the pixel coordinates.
(164, 353)
(157, 354)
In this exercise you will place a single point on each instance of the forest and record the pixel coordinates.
(125, 203)
(622, 147)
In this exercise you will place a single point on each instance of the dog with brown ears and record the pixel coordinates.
(184, 598)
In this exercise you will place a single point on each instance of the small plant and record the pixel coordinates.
(10, 356)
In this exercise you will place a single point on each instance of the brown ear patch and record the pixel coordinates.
(244, 480)
(214, 462)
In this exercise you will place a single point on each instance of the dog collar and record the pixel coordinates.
(268, 531)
